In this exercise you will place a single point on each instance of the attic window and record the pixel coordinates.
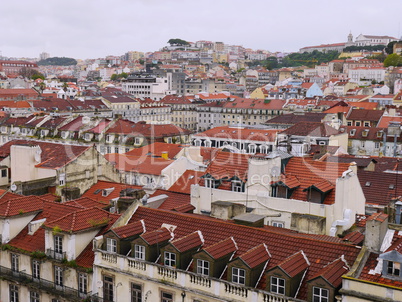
(391, 186)
(97, 191)
(106, 192)
(379, 133)
(365, 133)
(368, 184)
(353, 132)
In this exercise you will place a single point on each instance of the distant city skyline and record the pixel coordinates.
(94, 29)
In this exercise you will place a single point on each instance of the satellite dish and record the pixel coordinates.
(13, 187)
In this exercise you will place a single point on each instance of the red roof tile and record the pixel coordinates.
(256, 255)
(188, 242)
(131, 229)
(333, 272)
(81, 220)
(222, 248)
(157, 236)
(295, 264)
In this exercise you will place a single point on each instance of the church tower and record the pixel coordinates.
(350, 40)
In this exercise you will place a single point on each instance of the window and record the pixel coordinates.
(238, 275)
(166, 297)
(170, 259)
(278, 285)
(35, 269)
(108, 289)
(111, 245)
(34, 297)
(237, 186)
(136, 293)
(58, 247)
(13, 293)
(320, 294)
(277, 224)
(366, 124)
(377, 145)
(62, 179)
(203, 267)
(58, 275)
(82, 283)
(393, 268)
(4, 173)
(357, 124)
(14, 262)
(139, 252)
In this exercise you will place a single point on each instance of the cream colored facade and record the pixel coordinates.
(340, 216)
(155, 279)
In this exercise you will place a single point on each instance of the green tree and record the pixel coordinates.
(390, 47)
(178, 42)
(393, 60)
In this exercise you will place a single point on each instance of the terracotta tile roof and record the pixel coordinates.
(184, 208)
(311, 173)
(222, 248)
(81, 220)
(103, 124)
(365, 115)
(146, 130)
(366, 275)
(386, 120)
(184, 182)
(174, 99)
(53, 156)
(53, 123)
(243, 103)
(95, 192)
(74, 125)
(295, 264)
(292, 119)
(237, 133)
(85, 203)
(156, 149)
(139, 164)
(175, 201)
(380, 187)
(333, 272)
(320, 250)
(361, 220)
(291, 181)
(14, 104)
(188, 242)
(21, 205)
(256, 255)
(131, 229)
(381, 217)
(355, 237)
(156, 236)
(311, 129)
(228, 165)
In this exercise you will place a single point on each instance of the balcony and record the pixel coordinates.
(198, 284)
(56, 255)
(58, 290)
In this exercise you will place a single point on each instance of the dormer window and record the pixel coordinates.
(238, 276)
(237, 186)
(393, 268)
(352, 132)
(111, 245)
(139, 252)
(203, 267)
(170, 259)
(320, 294)
(278, 286)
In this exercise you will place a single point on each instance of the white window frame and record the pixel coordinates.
(139, 252)
(321, 295)
(14, 293)
(238, 275)
(136, 292)
(35, 269)
(277, 285)
(58, 275)
(82, 283)
(278, 224)
(170, 259)
(111, 245)
(393, 268)
(34, 296)
(203, 267)
(15, 263)
(237, 186)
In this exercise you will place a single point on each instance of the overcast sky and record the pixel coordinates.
(96, 28)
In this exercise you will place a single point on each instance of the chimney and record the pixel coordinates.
(165, 155)
(353, 167)
(376, 228)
